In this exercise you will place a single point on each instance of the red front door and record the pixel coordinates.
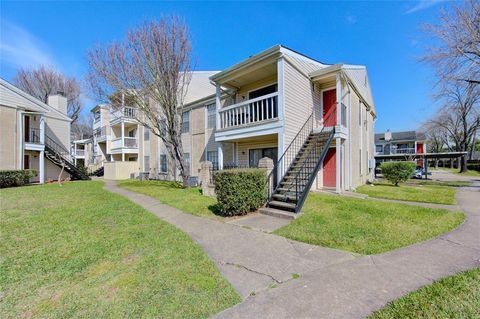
(330, 107)
(26, 162)
(26, 133)
(419, 148)
(330, 168)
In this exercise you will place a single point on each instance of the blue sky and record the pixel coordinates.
(385, 36)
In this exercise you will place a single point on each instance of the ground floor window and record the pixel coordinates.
(254, 155)
(163, 163)
(146, 163)
(212, 156)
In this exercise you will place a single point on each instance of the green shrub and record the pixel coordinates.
(16, 177)
(396, 172)
(473, 167)
(240, 191)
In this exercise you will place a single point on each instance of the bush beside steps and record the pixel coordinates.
(19, 177)
(240, 191)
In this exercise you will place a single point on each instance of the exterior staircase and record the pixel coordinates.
(298, 171)
(59, 155)
(98, 172)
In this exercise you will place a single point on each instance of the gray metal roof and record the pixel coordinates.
(401, 136)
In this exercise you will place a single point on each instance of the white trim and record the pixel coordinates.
(251, 131)
(281, 88)
(41, 167)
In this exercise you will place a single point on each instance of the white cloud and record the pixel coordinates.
(19, 48)
(422, 5)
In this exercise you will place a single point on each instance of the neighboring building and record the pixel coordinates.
(273, 103)
(392, 143)
(35, 135)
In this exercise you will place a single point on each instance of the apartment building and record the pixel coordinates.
(406, 142)
(35, 135)
(314, 120)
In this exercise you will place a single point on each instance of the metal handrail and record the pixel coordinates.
(306, 171)
(297, 141)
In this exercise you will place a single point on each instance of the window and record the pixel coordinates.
(212, 156)
(186, 122)
(163, 127)
(211, 115)
(263, 91)
(163, 163)
(146, 134)
(132, 133)
(96, 116)
(378, 148)
(186, 157)
(255, 155)
(146, 163)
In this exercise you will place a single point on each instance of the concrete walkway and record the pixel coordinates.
(251, 260)
(332, 283)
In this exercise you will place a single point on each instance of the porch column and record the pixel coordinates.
(281, 89)
(220, 155)
(123, 134)
(339, 99)
(41, 167)
(338, 159)
(42, 129)
(281, 149)
(218, 105)
(75, 152)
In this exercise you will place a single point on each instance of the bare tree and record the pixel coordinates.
(83, 127)
(460, 116)
(42, 81)
(456, 53)
(152, 69)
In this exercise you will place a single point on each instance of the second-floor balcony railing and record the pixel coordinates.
(126, 111)
(100, 132)
(32, 136)
(79, 152)
(250, 112)
(409, 150)
(127, 142)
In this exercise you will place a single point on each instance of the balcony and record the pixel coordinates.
(410, 150)
(123, 113)
(33, 140)
(101, 133)
(120, 143)
(251, 112)
(79, 153)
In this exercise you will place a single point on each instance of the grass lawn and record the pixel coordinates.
(452, 297)
(78, 251)
(366, 226)
(456, 171)
(411, 192)
(189, 200)
(438, 183)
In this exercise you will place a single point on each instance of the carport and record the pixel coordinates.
(423, 156)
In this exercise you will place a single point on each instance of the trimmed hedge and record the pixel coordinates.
(473, 167)
(397, 172)
(17, 177)
(240, 191)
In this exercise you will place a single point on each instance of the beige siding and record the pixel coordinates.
(245, 145)
(299, 101)
(9, 142)
(59, 131)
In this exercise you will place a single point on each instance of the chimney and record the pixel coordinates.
(388, 135)
(58, 101)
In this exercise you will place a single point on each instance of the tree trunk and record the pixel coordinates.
(463, 164)
(185, 181)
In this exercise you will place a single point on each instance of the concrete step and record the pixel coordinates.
(285, 197)
(277, 213)
(282, 205)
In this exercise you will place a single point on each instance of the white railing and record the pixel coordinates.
(126, 111)
(128, 142)
(80, 153)
(410, 150)
(249, 112)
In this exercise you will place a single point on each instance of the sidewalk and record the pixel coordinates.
(250, 260)
(332, 283)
